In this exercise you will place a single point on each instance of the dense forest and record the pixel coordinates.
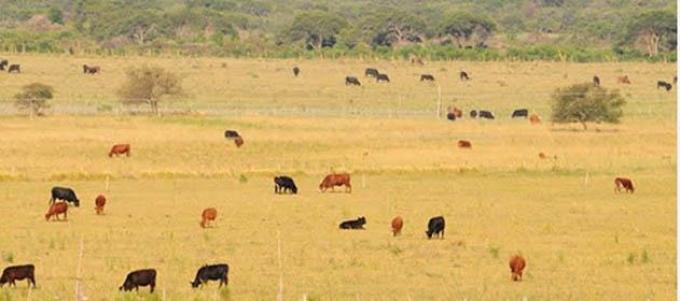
(569, 30)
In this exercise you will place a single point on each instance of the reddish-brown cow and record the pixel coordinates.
(56, 209)
(99, 203)
(623, 79)
(464, 144)
(120, 149)
(397, 224)
(534, 119)
(238, 141)
(332, 180)
(209, 214)
(623, 183)
(517, 264)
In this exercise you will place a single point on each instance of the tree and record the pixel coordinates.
(55, 15)
(34, 98)
(463, 26)
(150, 85)
(390, 28)
(586, 103)
(316, 28)
(657, 29)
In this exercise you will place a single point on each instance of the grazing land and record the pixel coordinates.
(581, 240)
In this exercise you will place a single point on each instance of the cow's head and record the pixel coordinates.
(294, 189)
(76, 202)
(195, 283)
(429, 234)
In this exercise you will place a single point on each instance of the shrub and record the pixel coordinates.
(34, 97)
(585, 103)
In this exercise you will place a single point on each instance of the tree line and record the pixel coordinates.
(578, 30)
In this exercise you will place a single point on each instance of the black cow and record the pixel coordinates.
(473, 114)
(14, 68)
(520, 113)
(138, 278)
(354, 224)
(296, 70)
(464, 76)
(451, 116)
(231, 134)
(486, 114)
(426, 77)
(371, 72)
(284, 184)
(596, 81)
(435, 226)
(18, 272)
(66, 194)
(212, 272)
(663, 84)
(3, 64)
(382, 78)
(351, 80)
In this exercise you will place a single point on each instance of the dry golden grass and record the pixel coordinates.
(581, 240)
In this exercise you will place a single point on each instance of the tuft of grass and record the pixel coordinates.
(225, 294)
(395, 250)
(644, 258)
(631, 258)
(494, 251)
(242, 179)
(8, 257)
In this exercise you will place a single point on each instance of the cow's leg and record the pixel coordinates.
(65, 215)
(153, 285)
(442, 233)
(31, 280)
(348, 188)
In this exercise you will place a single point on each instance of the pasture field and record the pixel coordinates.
(581, 240)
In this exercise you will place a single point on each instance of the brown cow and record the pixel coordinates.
(56, 209)
(238, 141)
(120, 149)
(623, 183)
(517, 264)
(209, 214)
(99, 203)
(623, 79)
(534, 119)
(464, 144)
(91, 69)
(332, 180)
(397, 224)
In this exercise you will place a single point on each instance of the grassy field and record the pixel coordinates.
(581, 240)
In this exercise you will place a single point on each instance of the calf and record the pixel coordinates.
(91, 69)
(397, 224)
(371, 72)
(520, 113)
(119, 149)
(435, 226)
(517, 264)
(208, 215)
(14, 68)
(138, 278)
(296, 71)
(486, 114)
(212, 272)
(18, 272)
(464, 144)
(426, 77)
(534, 119)
(464, 76)
(283, 184)
(596, 81)
(354, 223)
(382, 78)
(351, 80)
(623, 79)
(99, 203)
(332, 180)
(66, 194)
(663, 84)
(623, 183)
(56, 209)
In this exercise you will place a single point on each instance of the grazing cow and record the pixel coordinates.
(623, 183)
(663, 84)
(451, 116)
(454, 113)
(435, 226)
(486, 114)
(623, 79)
(14, 68)
(426, 77)
(534, 119)
(120, 149)
(66, 194)
(283, 184)
(464, 144)
(596, 81)
(332, 180)
(397, 224)
(473, 114)
(231, 134)
(212, 272)
(371, 72)
(3, 64)
(464, 76)
(99, 203)
(91, 69)
(354, 223)
(56, 209)
(296, 71)
(208, 215)
(520, 113)
(138, 278)
(238, 141)
(18, 272)
(382, 78)
(351, 80)
(517, 264)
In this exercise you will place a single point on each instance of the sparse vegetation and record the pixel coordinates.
(33, 98)
(585, 103)
(150, 85)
